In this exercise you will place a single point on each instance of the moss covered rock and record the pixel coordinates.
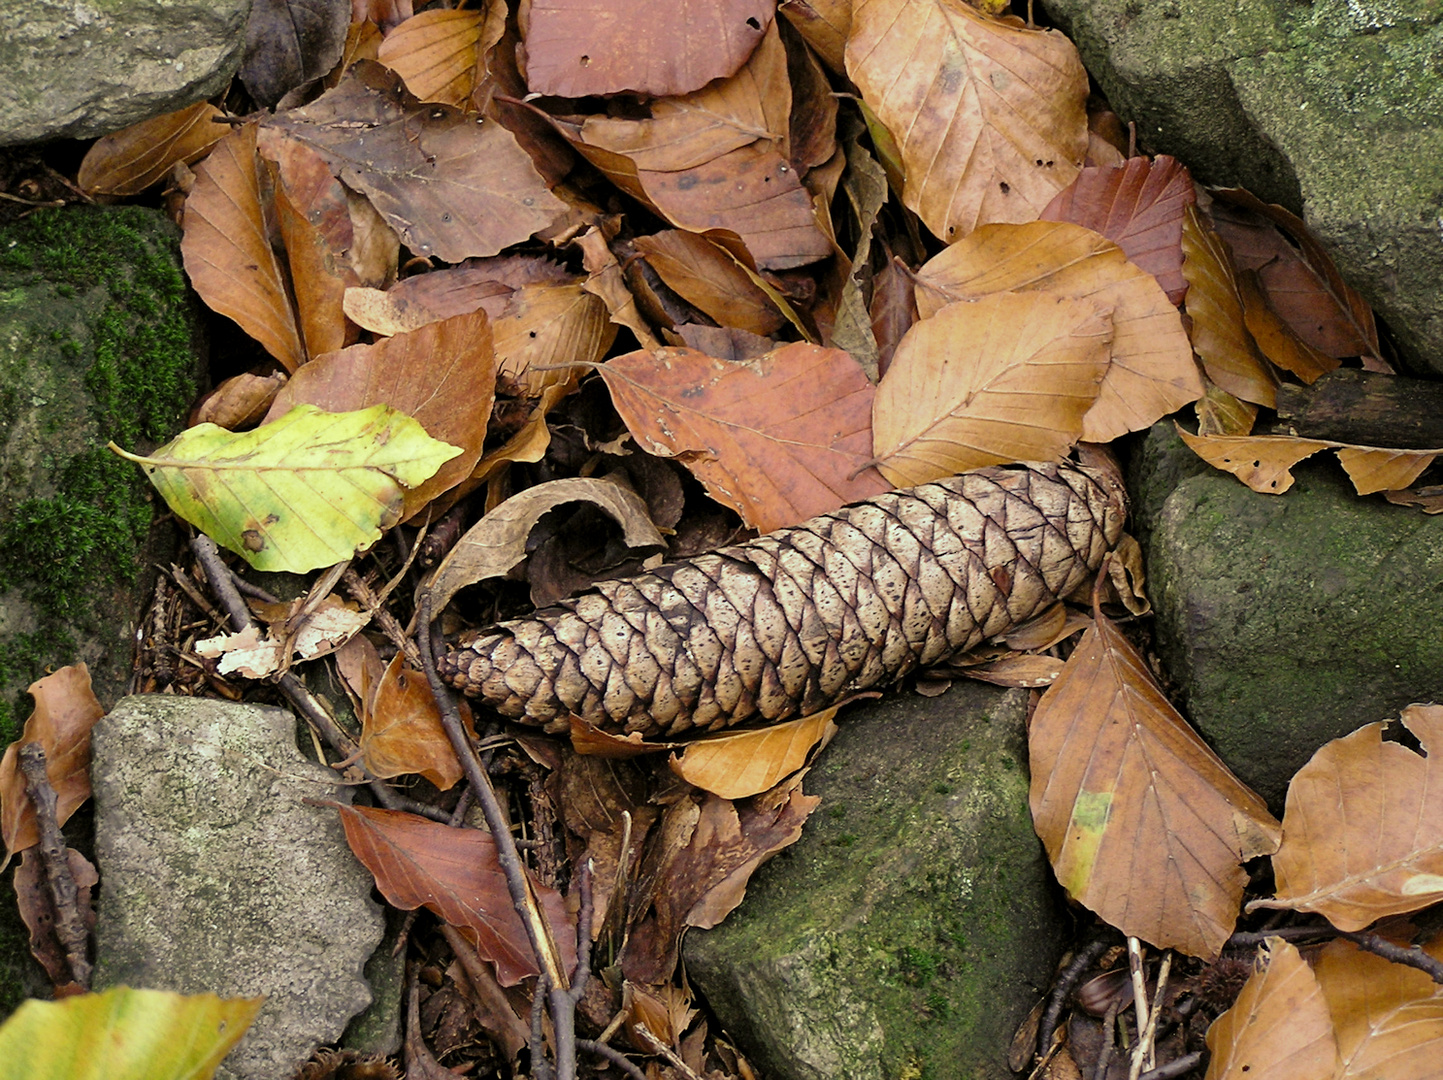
(911, 928)
(1287, 620)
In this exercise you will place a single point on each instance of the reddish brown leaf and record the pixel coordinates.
(443, 374)
(454, 873)
(485, 284)
(452, 184)
(228, 252)
(1139, 207)
(129, 161)
(401, 730)
(1275, 338)
(1143, 823)
(813, 131)
(319, 278)
(780, 439)
(707, 276)
(65, 711)
(579, 47)
(698, 872)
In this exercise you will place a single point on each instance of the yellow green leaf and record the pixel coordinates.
(123, 1034)
(308, 490)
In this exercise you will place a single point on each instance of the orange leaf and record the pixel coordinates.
(1152, 372)
(1143, 823)
(1006, 378)
(989, 116)
(227, 248)
(1388, 1018)
(1275, 338)
(545, 331)
(780, 439)
(1219, 333)
(708, 277)
(443, 374)
(1279, 1028)
(129, 161)
(1383, 470)
(401, 731)
(1263, 462)
(439, 52)
(65, 711)
(454, 873)
(739, 764)
(1363, 827)
(319, 278)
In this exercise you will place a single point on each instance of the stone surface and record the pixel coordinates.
(80, 68)
(99, 340)
(910, 929)
(1333, 108)
(219, 878)
(1286, 620)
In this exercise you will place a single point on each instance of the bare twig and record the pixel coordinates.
(1135, 958)
(1109, 1038)
(364, 595)
(616, 1057)
(70, 928)
(540, 1069)
(1251, 939)
(1143, 1056)
(1062, 988)
(1412, 956)
(1177, 1067)
(665, 1051)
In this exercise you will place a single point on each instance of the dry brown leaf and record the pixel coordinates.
(607, 281)
(1016, 670)
(1219, 333)
(227, 248)
(1152, 372)
(1263, 462)
(574, 48)
(1279, 1027)
(1275, 338)
(497, 542)
(1006, 378)
(740, 764)
(1388, 1018)
(476, 284)
(1429, 499)
(1143, 823)
(131, 160)
(1363, 827)
(990, 117)
(65, 711)
(1139, 206)
(779, 439)
(1219, 413)
(443, 374)
(440, 53)
(319, 277)
(401, 730)
(363, 40)
(240, 401)
(1383, 470)
(36, 906)
(589, 740)
(824, 24)
(812, 134)
(452, 184)
(708, 277)
(454, 873)
(546, 331)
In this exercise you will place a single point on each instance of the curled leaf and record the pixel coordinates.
(738, 764)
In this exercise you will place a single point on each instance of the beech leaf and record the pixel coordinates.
(1278, 1028)
(1143, 823)
(708, 277)
(1388, 1018)
(990, 117)
(123, 1034)
(454, 874)
(546, 333)
(1008, 377)
(735, 765)
(1363, 827)
(1383, 470)
(290, 43)
(779, 439)
(128, 161)
(1263, 462)
(440, 53)
(306, 491)
(401, 729)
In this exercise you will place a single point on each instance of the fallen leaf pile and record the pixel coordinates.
(535, 297)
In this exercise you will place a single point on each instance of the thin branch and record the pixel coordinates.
(1143, 1055)
(616, 1057)
(1135, 957)
(540, 1069)
(1175, 1068)
(1252, 939)
(70, 928)
(665, 1051)
(1412, 956)
(1062, 989)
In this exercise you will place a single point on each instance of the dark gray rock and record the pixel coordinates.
(219, 878)
(1332, 108)
(909, 930)
(1286, 620)
(80, 68)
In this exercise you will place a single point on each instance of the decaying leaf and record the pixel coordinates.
(579, 47)
(36, 905)
(442, 375)
(240, 401)
(65, 711)
(824, 24)
(1383, 470)
(1008, 377)
(123, 1034)
(401, 730)
(707, 276)
(318, 632)
(454, 873)
(1263, 462)
(1278, 1028)
(290, 43)
(740, 764)
(131, 160)
(546, 333)
(1219, 413)
(779, 439)
(1363, 827)
(302, 492)
(1152, 372)
(452, 184)
(1388, 1018)
(440, 53)
(990, 117)
(1275, 338)
(497, 542)
(1143, 823)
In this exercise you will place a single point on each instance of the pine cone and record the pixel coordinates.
(791, 622)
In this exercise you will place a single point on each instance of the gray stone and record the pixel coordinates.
(1332, 108)
(1287, 620)
(219, 878)
(80, 68)
(909, 930)
(100, 339)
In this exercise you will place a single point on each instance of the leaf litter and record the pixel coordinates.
(561, 244)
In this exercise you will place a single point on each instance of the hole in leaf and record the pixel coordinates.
(1005, 186)
(754, 23)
